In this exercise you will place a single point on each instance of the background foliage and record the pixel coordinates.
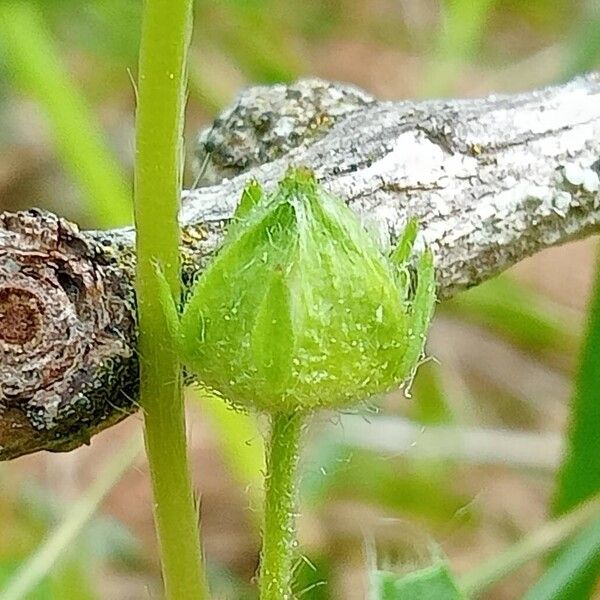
(453, 476)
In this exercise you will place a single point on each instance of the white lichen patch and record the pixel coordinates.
(584, 177)
(574, 174)
(591, 181)
(562, 202)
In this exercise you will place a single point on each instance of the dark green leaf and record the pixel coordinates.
(579, 476)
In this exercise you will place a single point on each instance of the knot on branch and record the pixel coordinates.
(267, 122)
(61, 337)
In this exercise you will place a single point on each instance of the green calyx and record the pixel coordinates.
(300, 309)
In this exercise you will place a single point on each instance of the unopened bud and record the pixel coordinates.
(300, 308)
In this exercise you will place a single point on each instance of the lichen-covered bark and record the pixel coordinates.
(492, 180)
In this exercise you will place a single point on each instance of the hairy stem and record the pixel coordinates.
(279, 529)
(165, 37)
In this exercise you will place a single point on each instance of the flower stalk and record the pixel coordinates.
(279, 528)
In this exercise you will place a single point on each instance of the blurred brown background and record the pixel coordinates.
(504, 368)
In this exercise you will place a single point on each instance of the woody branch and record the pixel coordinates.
(491, 181)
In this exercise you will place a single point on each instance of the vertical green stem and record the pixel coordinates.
(279, 529)
(165, 37)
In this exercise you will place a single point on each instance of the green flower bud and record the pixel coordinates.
(300, 309)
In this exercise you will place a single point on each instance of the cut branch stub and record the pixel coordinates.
(62, 339)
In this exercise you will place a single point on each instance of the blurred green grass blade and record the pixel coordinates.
(579, 475)
(462, 28)
(44, 559)
(584, 43)
(433, 583)
(420, 488)
(259, 40)
(519, 314)
(429, 406)
(70, 578)
(534, 546)
(570, 568)
(42, 592)
(36, 65)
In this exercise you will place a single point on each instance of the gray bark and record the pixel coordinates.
(491, 180)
